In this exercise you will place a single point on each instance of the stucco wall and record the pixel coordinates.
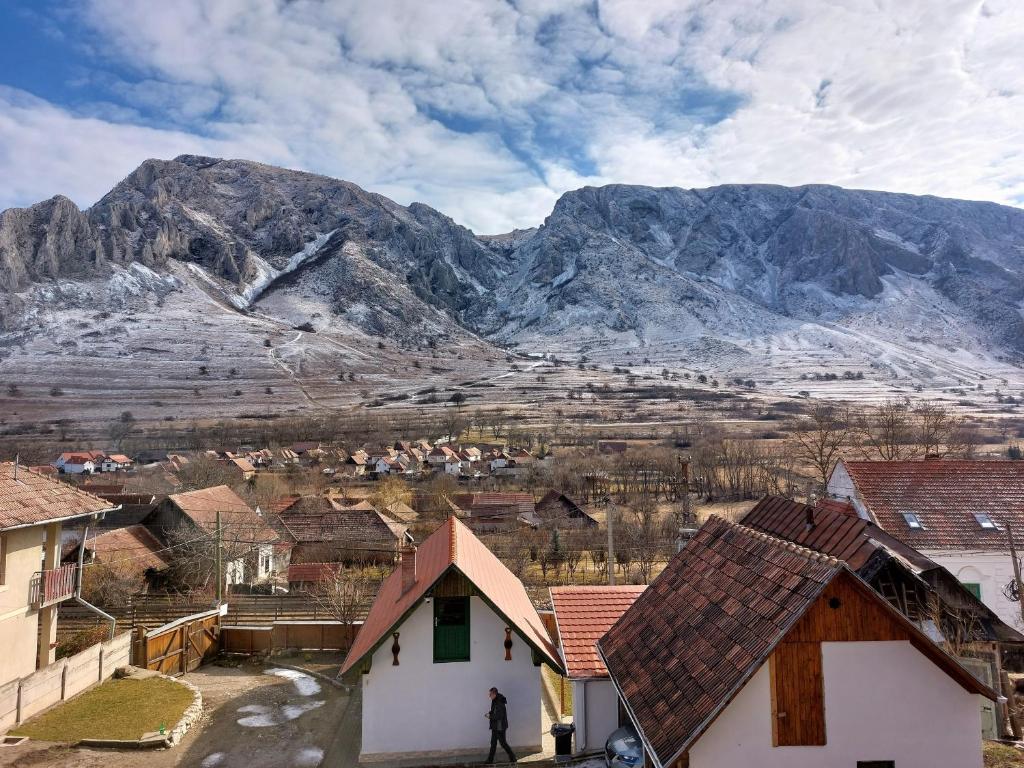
(840, 486)
(420, 706)
(883, 701)
(19, 624)
(600, 713)
(993, 570)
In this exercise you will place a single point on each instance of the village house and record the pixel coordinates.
(115, 462)
(241, 468)
(448, 624)
(321, 531)
(132, 553)
(583, 615)
(33, 512)
(957, 513)
(556, 510)
(79, 462)
(254, 553)
(489, 511)
(919, 588)
(441, 455)
(748, 650)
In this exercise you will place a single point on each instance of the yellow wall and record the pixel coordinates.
(19, 624)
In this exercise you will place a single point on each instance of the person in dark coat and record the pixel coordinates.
(498, 722)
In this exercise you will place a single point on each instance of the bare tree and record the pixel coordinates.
(887, 432)
(345, 595)
(821, 438)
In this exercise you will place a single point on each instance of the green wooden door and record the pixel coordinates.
(451, 629)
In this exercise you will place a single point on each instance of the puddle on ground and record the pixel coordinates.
(267, 716)
(305, 684)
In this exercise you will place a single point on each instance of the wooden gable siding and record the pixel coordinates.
(847, 611)
(797, 695)
(453, 584)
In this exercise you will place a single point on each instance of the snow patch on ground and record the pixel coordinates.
(304, 684)
(266, 716)
(266, 274)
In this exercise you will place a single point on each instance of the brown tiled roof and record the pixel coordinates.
(583, 615)
(132, 549)
(945, 494)
(452, 546)
(32, 499)
(360, 528)
(833, 533)
(704, 626)
(495, 506)
(236, 516)
(711, 619)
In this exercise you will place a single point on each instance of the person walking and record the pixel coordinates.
(498, 717)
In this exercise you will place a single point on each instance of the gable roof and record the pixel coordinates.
(711, 619)
(203, 505)
(832, 528)
(452, 546)
(945, 494)
(583, 616)
(132, 549)
(555, 505)
(356, 527)
(33, 499)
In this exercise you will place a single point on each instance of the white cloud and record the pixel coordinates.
(488, 111)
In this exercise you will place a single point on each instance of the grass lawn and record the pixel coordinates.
(1002, 756)
(118, 709)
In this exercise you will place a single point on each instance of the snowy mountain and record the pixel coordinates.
(748, 280)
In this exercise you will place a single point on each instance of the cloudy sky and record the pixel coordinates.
(489, 109)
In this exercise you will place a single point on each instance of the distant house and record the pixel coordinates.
(748, 650)
(612, 446)
(448, 624)
(304, 577)
(954, 512)
(442, 454)
(79, 462)
(324, 533)
(488, 511)
(34, 510)
(243, 468)
(115, 462)
(557, 510)
(583, 615)
(254, 552)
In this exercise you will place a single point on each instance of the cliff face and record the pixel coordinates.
(616, 262)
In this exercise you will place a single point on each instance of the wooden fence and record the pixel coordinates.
(180, 646)
(21, 699)
(298, 635)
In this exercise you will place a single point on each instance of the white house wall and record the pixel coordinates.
(992, 570)
(883, 701)
(840, 486)
(600, 713)
(422, 707)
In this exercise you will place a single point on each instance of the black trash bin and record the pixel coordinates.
(563, 740)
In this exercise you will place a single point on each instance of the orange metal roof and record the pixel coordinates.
(584, 615)
(452, 545)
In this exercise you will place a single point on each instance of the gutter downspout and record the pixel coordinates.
(579, 713)
(78, 586)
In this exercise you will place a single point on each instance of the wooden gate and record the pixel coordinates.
(179, 647)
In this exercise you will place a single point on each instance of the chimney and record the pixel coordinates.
(810, 516)
(408, 568)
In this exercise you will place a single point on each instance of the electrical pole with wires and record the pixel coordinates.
(610, 525)
(220, 566)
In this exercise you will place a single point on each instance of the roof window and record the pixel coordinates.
(913, 521)
(987, 522)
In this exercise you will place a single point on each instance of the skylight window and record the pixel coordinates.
(987, 522)
(913, 521)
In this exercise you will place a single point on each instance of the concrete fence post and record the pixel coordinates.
(100, 679)
(17, 712)
(64, 680)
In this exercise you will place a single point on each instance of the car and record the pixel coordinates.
(624, 749)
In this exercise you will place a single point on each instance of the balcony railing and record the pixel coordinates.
(49, 587)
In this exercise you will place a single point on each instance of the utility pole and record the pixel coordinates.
(1016, 571)
(220, 566)
(609, 521)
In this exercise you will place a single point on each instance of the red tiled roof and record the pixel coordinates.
(132, 548)
(120, 458)
(945, 494)
(710, 620)
(452, 545)
(33, 499)
(583, 615)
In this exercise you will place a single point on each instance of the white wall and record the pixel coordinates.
(883, 701)
(600, 713)
(993, 570)
(420, 706)
(19, 624)
(840, 486)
